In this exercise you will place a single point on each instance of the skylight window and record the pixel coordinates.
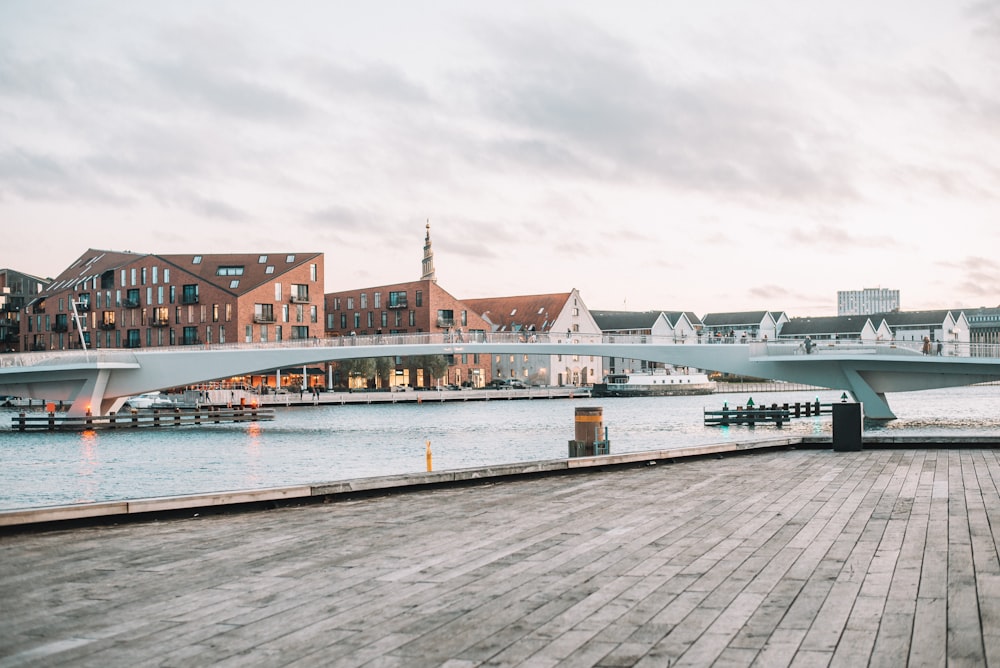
(196, 259)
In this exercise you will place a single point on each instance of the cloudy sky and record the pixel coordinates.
(673, 155)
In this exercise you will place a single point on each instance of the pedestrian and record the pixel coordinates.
(809, 345)
(927, 345)
(940, 348)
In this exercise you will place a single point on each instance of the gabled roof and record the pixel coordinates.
(613, 321)
(673, 317)
(255, 272)
(531, 312)
(837, 324)
(734, 319)
(91, 264)
(914, 318)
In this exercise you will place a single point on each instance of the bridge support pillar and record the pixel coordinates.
(90, 400)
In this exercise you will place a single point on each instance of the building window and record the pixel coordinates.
(312, 273)
(290, 258)
(215, 313)
(190, 294)
(190, 335)
(336, 303)
(397, 299)
(357, 321)
(229, 271)
(465, 318)
(300, 332)
(262, 259)
(300, 293)
(196, 259)
(277, 292)
(233, 284)
(377, 300)
(247, 334)
(371, 319)
(263, 313)
(350, 303)
(343, 321)
(313, 314)
(445, 318)
(420, 298)
(364, 301)
(385, 319)
(269, 269)
(413, 318)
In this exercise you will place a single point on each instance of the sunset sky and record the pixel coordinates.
(712, 156)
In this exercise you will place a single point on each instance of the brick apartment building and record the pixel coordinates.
(16, 290)
(110, 299)
(408, 308)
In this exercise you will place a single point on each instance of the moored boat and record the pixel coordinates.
(653, 385)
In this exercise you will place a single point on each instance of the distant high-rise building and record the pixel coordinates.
(867, 301)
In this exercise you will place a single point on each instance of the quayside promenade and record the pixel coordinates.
(787, 557)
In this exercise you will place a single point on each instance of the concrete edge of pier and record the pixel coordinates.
(146, 509)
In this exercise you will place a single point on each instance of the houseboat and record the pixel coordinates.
(653, 384)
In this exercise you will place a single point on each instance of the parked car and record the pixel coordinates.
(498, 384)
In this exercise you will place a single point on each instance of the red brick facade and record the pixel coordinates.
(126, 300)
(408, 308)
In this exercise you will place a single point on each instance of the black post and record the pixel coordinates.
(847, 427)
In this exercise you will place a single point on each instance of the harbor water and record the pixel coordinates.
(329, 443)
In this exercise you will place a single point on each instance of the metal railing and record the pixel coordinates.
(760, 348)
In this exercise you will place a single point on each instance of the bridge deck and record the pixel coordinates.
(805, 557)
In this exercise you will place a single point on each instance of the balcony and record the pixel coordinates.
(189, 299)
(160, 322)
(107, 325)
(299, 299)
(10, 338)
(36, 347)
(130, 303)
(263, 318)
(82, 307)
(60, 327)
(132, 344)
(191, 342)
(445, 322)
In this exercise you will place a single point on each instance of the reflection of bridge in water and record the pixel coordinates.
(98, 381)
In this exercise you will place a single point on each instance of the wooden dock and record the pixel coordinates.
(145, 418)
(796, 557)
(775, 414)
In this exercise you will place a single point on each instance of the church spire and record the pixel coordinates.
(428, 264)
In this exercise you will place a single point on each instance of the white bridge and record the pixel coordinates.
(99, 381)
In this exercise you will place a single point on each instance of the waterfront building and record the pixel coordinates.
(949, 326)
(111, 299)
(406, 308)
(563, 317)
(837, 328)
(867, 302)
(16, 290)
(679, 326)
(742, 326)
(984, 326)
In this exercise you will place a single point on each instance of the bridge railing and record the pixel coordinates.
(63, 357)
(758, 348)
(780, 347)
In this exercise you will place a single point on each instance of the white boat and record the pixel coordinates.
(653, 384)
(149, 400)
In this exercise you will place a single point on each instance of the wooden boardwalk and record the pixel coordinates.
(803, 558)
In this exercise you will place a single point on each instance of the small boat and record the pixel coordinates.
(653, 385)
(149, 400)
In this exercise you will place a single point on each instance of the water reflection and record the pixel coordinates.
(87, 478)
